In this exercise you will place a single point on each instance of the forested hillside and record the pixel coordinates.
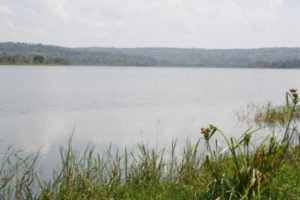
(22, 53)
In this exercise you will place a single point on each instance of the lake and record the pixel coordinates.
(41, 106)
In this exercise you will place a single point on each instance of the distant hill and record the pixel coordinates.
(23, 53)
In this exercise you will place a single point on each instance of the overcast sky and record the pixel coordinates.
(152, 23)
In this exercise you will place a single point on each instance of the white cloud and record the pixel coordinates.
(129, 23)
(4, 10)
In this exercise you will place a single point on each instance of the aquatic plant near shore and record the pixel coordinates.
(269, 114)
(241, 169)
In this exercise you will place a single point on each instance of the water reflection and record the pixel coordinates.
(40, 106)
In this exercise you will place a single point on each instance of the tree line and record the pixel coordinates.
(30, 59)
(24, 53)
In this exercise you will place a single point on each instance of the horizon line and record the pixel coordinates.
(145, 47)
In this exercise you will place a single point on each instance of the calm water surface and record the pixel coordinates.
(40, 107)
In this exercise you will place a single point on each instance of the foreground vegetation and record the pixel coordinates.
(242, 168)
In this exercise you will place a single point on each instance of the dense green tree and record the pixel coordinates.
(38, 59)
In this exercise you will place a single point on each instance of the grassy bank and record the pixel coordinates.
(203, 169)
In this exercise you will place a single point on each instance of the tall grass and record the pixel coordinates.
(242, 169)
